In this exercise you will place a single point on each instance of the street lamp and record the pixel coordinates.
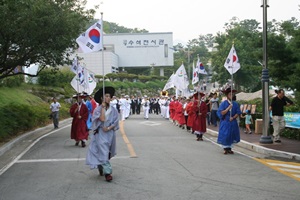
(265, 138)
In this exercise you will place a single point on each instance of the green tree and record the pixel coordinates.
(39, 32)
(247, 41)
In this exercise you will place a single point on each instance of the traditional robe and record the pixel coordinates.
(199, 120)
(103, 144)
(229, 132)
(90, 109)
(191, 114)
(180, 114)
(172, 109)
(79, 129)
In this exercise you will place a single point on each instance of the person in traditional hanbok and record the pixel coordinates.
(103, 142)
(79, 112)
(90, 109)
(180, 113)
(228, 112)
(200, 112)
(172, 108)
(191, 115)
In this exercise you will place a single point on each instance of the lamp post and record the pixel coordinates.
(265, 138)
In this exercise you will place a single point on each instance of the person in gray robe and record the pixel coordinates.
(105, 123)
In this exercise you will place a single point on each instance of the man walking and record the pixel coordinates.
(54, 108)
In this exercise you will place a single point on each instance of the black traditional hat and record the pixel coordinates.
(228, 90)
(107, 90)
(198, 93)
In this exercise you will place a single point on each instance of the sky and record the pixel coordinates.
(190, 18)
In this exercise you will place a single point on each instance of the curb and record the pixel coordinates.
(6, 147)
(260, 149)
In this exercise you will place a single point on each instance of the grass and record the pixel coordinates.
(26, 108)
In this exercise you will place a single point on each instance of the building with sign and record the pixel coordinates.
(123, 50)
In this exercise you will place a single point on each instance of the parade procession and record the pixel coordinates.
(149, 100)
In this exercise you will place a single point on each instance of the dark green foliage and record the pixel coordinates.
(39, 31)
(12, 81)
(55, 78)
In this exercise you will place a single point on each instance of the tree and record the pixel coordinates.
(247, 41)
(39, 32)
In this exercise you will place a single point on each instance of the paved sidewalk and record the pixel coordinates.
(289, 149)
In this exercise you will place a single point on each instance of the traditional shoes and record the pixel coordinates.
(228, 151)
(108, 177)
(83, 144)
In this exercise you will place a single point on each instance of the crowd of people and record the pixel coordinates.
(98, 118)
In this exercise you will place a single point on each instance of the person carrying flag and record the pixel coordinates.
(228, 112)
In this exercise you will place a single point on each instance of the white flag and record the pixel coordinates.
(170, 83)
(90, 83)
(181, 78)
(195, 75)
(87, 85)
(200, 67)
(92, 39)
(232, 63)
(74, 66)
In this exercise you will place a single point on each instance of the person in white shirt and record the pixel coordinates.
(54, 108)
(146, 106)
(127, 107)
(114, 102)
(123, 103)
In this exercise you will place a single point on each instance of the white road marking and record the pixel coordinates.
(62, 160)
(5, 168)
(150, 123)
(284, 165)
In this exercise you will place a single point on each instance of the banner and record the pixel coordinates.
(292, 119)
(170, 83)
(181, 80)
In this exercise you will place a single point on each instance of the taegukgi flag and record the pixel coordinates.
(232, 63)
(195, 75)
(200, 67)
(92, 39)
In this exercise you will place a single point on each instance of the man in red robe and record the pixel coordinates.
(79, 112)
(200, 112)
(172, 108)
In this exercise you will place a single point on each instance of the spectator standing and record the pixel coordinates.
(248, 121)
(214, 106)
(277, 108)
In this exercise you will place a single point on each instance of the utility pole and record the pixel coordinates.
(265, 138)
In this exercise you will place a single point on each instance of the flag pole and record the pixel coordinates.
(231, 81)
(102, 54)
(77, 64)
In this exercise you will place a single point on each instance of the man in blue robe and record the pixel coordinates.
(228, 112)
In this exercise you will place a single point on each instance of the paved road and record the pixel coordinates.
(156, 160)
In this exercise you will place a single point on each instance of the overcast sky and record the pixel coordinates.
(187, 19)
